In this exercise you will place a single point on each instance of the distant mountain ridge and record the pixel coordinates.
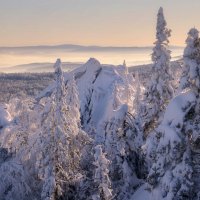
(40, 67)
(73, 47)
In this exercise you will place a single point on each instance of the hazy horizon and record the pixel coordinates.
(92, 45)
(41, 58)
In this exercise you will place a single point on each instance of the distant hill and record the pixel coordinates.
(40, 67)
(76, 48)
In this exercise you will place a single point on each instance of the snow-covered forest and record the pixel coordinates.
(103, 132)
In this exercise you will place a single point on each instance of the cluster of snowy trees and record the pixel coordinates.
(42, 146)
(170, 124)
(100, 134)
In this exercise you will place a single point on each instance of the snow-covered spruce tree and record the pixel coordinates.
(126, 68)
(80, 137)
(137, 99)
(57, 156)
(190, 76)
(73, 99)
(191, 80)
(123, 161)
(126, 95)
(168, 151)
(101, 176)
(159, 90)
(115, 141)
(82, 144)
(135, 140)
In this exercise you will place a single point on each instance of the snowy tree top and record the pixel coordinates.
(162, 33)
(192, 41)
(124, 63)
(193, 35)
(58, 66)
(193, 32)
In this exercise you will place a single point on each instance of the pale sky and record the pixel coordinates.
(93, 22)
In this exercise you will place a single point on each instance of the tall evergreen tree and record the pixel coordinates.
(54, 157)
(137, 99)
(58, 148)
(159, 90)
(73, 100)
(191, 80)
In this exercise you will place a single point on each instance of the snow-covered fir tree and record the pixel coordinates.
(190, 75)
(168, 152)
(159, 90)
(125, 72)
(53, 159)
(101, 176)
(81, 139)
(191, 80)
(117, 141)
(128, 79)
(58, 149)
(137, 96)
(73, 99)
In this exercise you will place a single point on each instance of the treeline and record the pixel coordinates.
(22, 85)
